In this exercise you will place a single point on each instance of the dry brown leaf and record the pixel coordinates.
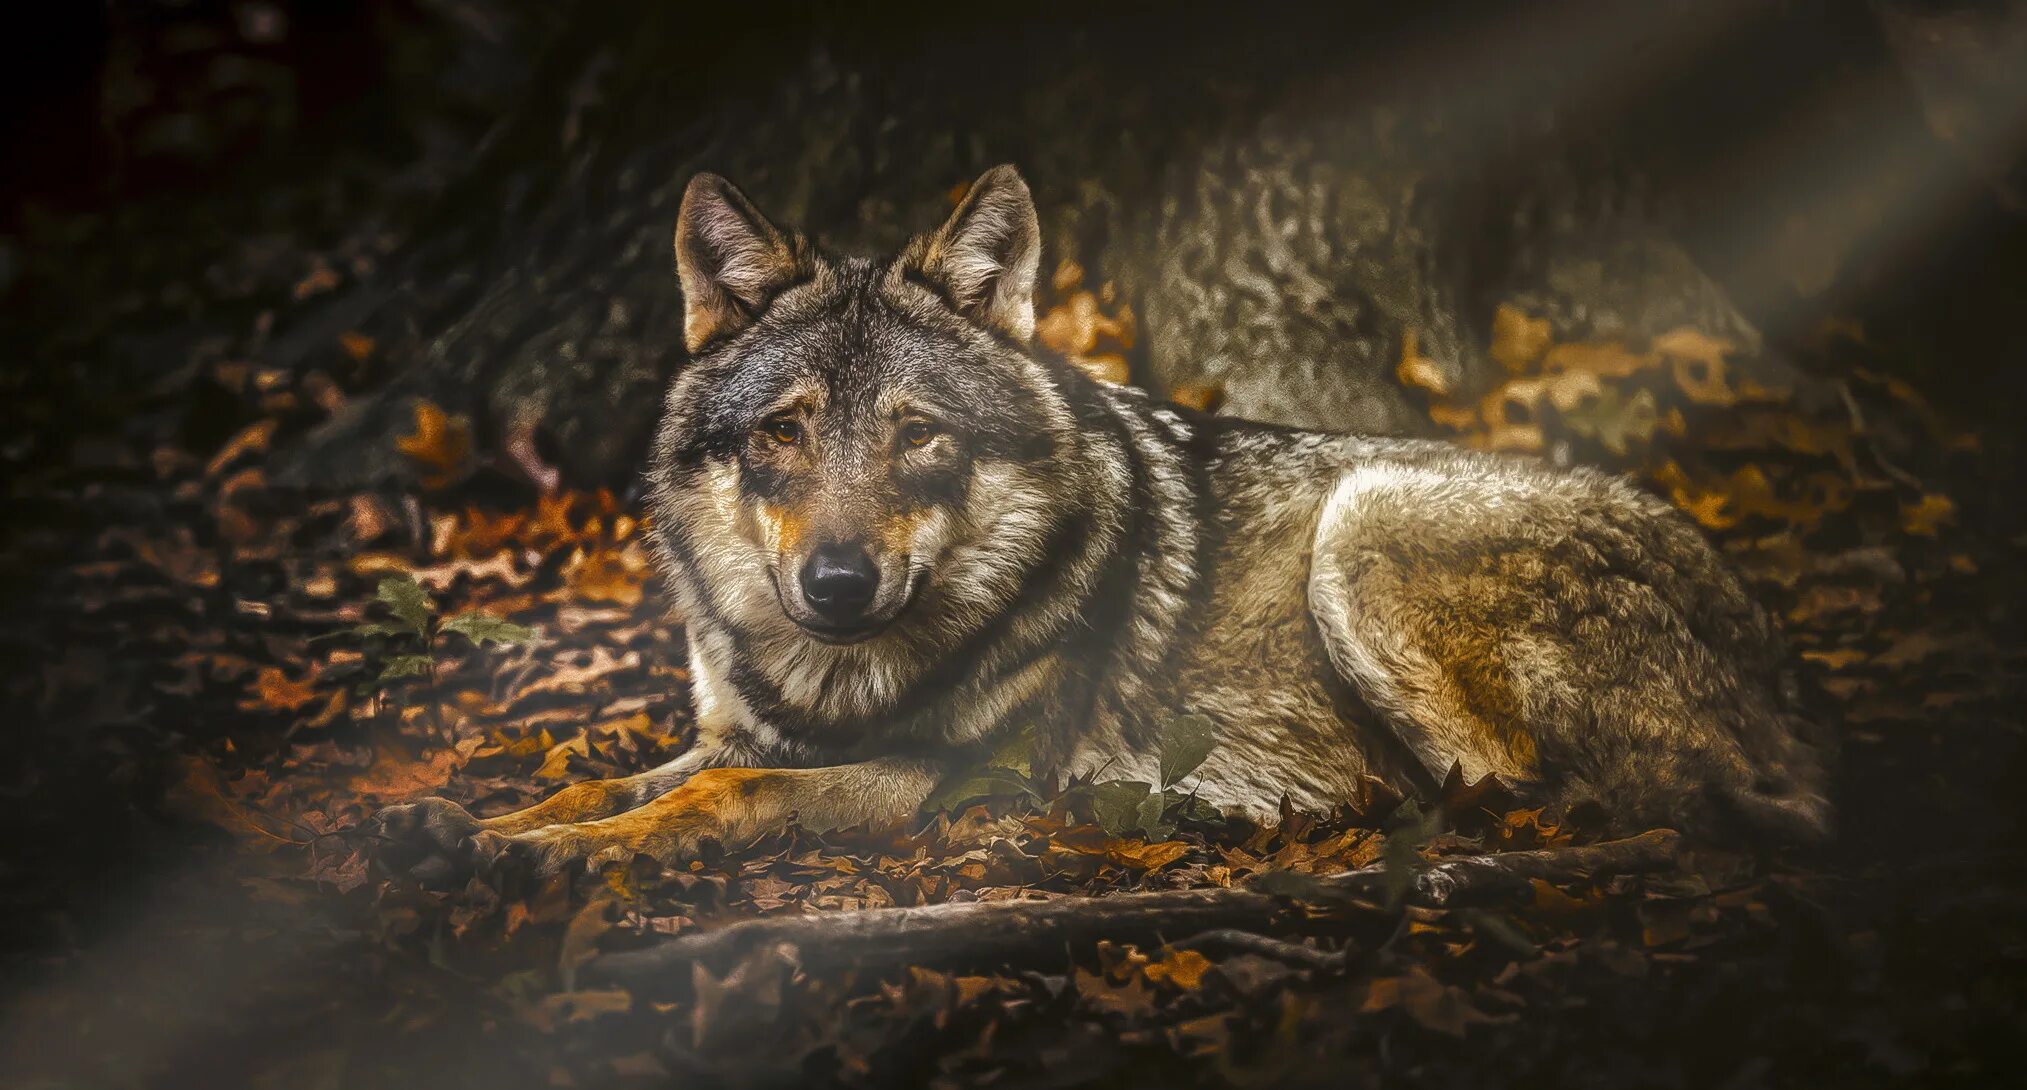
(1183, 968)
(201, 793)
(274, 690)
(356, 345)
(616, 575)
(394, 775)
(1518, 341)
(252, 439)
(440, 448)
(1143, 856)
(1928, 515)
(1131, 999)
(1418, 371)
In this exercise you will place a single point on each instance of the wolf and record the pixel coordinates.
(898, 532)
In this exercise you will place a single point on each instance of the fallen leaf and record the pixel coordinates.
(440, 447)
(1184, 969)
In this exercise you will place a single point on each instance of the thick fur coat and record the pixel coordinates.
(898, 533)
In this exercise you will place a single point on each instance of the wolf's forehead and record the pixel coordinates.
(858, 341)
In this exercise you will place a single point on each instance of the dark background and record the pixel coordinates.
(150, 141)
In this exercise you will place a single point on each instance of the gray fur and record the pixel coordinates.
(1340, 606)
(1074, 557)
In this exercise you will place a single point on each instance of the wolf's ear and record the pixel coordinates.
(984, 257)
(730, 259)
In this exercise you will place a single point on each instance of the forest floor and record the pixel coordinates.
(199, 730)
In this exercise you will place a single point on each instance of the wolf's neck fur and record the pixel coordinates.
(1115, 525)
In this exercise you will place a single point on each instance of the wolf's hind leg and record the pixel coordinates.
(1446, 696)
(1572, 636)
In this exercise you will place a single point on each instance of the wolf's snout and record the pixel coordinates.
(839, 582)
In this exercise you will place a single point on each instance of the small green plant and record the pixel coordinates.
(1117, 806)
(405, 644)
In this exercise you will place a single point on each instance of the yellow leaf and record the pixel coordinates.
(1183, 968)
(1698, 362)
(556, 763)
(1927, 515)
(1420, 371)
(1606, 359)
(1518, 341)
(1837, 659)
(1142, 856)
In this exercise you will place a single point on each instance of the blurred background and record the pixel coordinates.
(1282, 198)
(300, 295)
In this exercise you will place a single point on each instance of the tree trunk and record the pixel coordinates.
(1292, 207)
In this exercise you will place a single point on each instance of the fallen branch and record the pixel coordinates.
(982, 934)
(1228, 941)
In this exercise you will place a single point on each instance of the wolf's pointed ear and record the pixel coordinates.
(984, 257)
(730, 259)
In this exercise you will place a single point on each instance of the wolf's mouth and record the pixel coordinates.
(844, 634)
(860, 631)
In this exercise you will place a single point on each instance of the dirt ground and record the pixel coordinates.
(198, 733)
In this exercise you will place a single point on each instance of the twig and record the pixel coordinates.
(1233, 940)
(983, 934)
(1859, 430)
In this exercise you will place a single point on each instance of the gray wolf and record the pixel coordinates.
(898, 531)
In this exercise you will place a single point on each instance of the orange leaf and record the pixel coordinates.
(1518, 341)
(252, 439)
(440, 447)
(273, 691)
(1183, 968)
(394, 775)
(356, 344)
(1142, 856)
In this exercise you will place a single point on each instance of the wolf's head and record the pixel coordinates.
(861, 457)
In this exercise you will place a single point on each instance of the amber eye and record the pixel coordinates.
(917, 433)
(784, 430)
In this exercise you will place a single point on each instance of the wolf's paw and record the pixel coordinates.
(430, 840)
(539, 855)
(543, 854)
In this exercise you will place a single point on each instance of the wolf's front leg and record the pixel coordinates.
(433, 839)
(732, 806)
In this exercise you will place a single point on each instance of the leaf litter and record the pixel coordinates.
(245, 675)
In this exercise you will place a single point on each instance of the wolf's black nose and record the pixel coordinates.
(839, 582)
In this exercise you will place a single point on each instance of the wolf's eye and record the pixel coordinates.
(917, 433)
(783, 429)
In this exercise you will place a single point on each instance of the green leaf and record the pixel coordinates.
(407, 601)
(1016, 751)
(405, 666)
(977, 784)
(1615, 423)
(364, 631)
(480, 627)
(1115, 805)
(1185, 743)
(1191, 808)
(1408, 828)
(1148, 816)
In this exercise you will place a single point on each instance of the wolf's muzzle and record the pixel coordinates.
(840, 583)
